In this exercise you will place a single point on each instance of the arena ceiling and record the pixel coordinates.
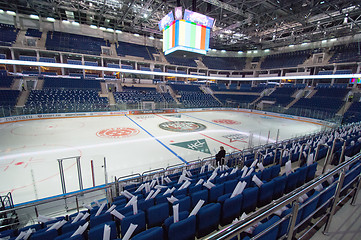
(240, 24)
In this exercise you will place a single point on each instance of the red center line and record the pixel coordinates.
(204, 135)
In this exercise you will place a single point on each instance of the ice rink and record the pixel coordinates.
(132, 143)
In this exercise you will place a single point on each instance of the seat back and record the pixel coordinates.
(272, 233)
(97, 232)
(155, 233)
(250, 197)
(157, 214)
(311, 171)
(102, 218)
(265, 193)
(215, 192)
(201, 195)
(279, 187)
(138, 219)
(184, 229)
(231, 209)
(208, 219)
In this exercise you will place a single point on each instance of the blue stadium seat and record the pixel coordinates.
(157, 214)
(311, 171)
(102, 218)
(279, 187)
(201, 195)
(250, 196)
(265, 193)
(271, 234)
(231, 209)
(215, 192)
(184, 204)
(208, 219)
(183, 230)
(96, 233)
(41, 235)
(155, 233)
(138, 219)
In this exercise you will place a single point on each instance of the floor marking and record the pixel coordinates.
(204, 135)
(182, 159)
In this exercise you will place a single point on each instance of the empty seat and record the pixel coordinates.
(250, 196)
(231, 209)
(41, 235)
(155, 233)
(183, 230)
(96, 233)
(265, 193)
(279, 186)
(311, 171)
(215, 192)
(157, 214)
(184, 204)
(138, 219)
(208, 219)
(201, 195)
(291, 182)
(272, 233)
(102, 218)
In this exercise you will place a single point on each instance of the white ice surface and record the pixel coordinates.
(29, 150)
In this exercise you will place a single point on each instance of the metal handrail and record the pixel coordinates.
(266, 211)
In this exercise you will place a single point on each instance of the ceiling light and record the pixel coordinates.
(266, 50)
(12, 13)
(102, 28)
(75, 23)
(304, 44)
(136, 34)
(145, 15)
(93, 26)
(249, 51)
(240, 52)
(161, 40)
(110, 30)
(118, 31)
(65, 21)
(34, 16)
(255, 51)
(223, 50)
(1, 11)
(333, 39)
(151, 37)
(50, 19)
(324, 41)
(291, 45)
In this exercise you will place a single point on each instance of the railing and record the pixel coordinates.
(338, 173)
(6, 111)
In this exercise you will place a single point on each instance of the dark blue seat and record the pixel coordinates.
(201, 195)
(184, 204)
(309, 206)
(275, 171)
(266, 174)
(265, 193)
(157, 214)
(138, 219)
(155, 233)
(102, 218)
(250, 196)
(229, 186)
(193, 189)
(302, 175)
(183, 230)
(311, 171)
(291, 183)
(170, 220)
(97, 232)
(271, 234)
(145, 204)
(208, 219)
(231, 209)
(279, 187)
(70, 227)
(215, 192)
(41, 235)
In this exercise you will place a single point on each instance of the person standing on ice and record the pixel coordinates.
(220, 156)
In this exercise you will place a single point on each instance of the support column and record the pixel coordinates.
(62, 61)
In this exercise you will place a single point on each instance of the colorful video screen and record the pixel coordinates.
(186, 36)
(353, 80)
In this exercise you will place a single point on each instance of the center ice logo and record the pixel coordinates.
(182, 126)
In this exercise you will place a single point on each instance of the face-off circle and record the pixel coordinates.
(182, 126)
(226, 121)
(117, 132)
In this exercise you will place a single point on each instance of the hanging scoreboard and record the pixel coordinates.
(189, 34)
